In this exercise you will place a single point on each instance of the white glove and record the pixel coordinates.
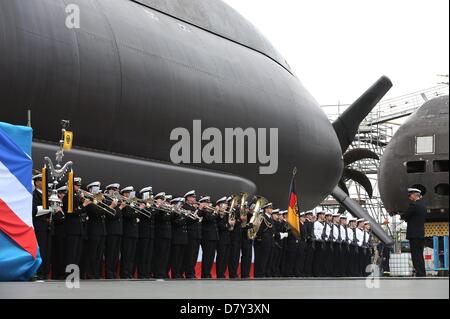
(283, 235)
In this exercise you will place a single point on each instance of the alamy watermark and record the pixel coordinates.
(73, 277)
(262, 147)
(73, 16)
(373, 280)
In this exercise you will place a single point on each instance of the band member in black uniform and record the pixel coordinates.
(309, 250)
(163, 237)
(58, 240)
(210, 235)
(179, 241)
(319, 246)
(114, 232)
(42, 229)
(75, 223)
(299, 270)
(223, 246)
(146, 236)
(131, 219)
(415, 216)
(264, 243)
(96, 234)
(246, 243)
(235, 244)
(277, 255)
(194, 236)
(345, 247)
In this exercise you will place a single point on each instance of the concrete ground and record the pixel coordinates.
(392, 288)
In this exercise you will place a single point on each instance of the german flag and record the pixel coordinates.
(293, 217)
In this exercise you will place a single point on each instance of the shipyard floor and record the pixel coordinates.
(330, 288)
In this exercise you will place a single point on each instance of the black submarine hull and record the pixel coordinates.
(132, 73)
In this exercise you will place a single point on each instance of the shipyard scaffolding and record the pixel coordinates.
(374, 134)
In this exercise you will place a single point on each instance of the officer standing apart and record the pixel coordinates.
(415, 217)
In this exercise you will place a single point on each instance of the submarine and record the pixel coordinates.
(132, 72)
(417, 156)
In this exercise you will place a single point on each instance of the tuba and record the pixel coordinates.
(257, 217)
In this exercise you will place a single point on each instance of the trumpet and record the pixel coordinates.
(97, 200)
(211, 210)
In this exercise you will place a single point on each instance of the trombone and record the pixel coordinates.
(187, 213)
(97, 200)
(132, 203)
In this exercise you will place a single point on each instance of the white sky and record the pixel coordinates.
(338, 48)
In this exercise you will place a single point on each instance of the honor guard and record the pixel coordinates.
(354, 251)
(75, 225)
(146, 234)
(131, 219)
(179, 240)
(290, 248)
(194, 227)
(264, 243)
(344, 255)
(368, 245)
(336, 249)
(310, 238)
(223, 246)
(163, 236)
(58, 240)
(361, 249)
(319, 245)
(42, 228)
(210, 235)
(299, 270)
(114, 231)
(96, 231)
(279, 226)
(329, 252)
